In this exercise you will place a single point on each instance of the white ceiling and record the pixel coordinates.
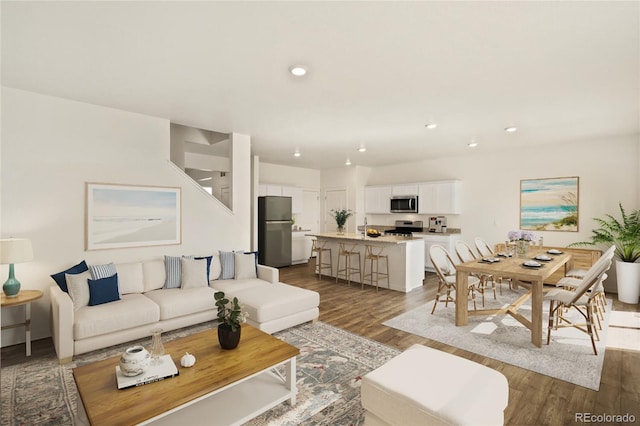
(378, 71)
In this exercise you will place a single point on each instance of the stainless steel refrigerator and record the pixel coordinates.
(274, 231)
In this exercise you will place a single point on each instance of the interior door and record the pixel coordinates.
(334, 199)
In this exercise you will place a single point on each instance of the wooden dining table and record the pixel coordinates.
(511, 267)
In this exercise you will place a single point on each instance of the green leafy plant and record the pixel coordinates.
(624, 234)
(341, 216)
(229, 311)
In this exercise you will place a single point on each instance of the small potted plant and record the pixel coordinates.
(230, 318)
(341, 217)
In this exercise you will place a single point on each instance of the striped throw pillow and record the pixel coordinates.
(102, 271)
(227, 261)
(174, 271)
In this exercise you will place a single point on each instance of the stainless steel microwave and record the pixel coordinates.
(404, 204)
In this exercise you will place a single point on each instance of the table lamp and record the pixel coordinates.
(14, 250)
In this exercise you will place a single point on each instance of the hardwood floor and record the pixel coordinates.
(534, 399)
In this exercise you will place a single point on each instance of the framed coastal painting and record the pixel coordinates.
(118, 216)
(549, 204)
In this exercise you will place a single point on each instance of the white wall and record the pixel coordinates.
(52, 146)
(287, 175)
(608, 172)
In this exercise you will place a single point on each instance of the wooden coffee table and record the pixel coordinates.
(223, 387)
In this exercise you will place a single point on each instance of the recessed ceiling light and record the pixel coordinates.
(362, 148)
(297, 153)
(431, 126)
(298, 70)
(510, 129)
(473, 144)
(347, 163)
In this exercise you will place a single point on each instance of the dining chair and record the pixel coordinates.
(484, 250)
(446, 271)
(597, 292)
(579, 273)
(580, 299)
(465, 254)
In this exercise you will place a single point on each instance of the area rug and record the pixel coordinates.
(329, 368)
(569, 357)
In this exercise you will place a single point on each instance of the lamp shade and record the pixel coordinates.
(15, 250)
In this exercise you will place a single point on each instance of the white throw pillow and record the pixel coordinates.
(130, 277)
(194, 273)
(78, 286)
(245, 265)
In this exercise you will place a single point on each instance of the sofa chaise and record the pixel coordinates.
(146, 300)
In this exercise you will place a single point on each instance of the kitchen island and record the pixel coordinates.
(406, 256)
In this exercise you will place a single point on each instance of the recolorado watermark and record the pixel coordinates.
(604, 418)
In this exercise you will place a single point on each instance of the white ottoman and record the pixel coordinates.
(424, 386)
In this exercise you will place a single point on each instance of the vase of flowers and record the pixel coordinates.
(230, 318)
(341, 217)
(522, 240)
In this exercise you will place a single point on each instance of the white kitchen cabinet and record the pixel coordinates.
(294, 192)
(448, 241)
(300, 248)
(409, 189)
(296, 198)
(439, 197)
(377, 199)
(274, 190)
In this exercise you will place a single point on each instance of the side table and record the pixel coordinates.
(24, 297)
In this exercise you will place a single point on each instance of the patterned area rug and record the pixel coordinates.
(329, 368)
(569, 357)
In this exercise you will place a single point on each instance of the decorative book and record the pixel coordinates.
(164, 369)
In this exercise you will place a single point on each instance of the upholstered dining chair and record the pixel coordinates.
(465, 254)
(580, 298)
(446, 271)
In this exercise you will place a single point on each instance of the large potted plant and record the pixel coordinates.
(230, 318)
(625, 235)
(341, 217)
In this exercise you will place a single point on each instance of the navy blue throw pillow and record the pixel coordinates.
(60, 279)
(104, 290)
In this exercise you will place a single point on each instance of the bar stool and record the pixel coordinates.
(348, 270)
(318, 248)
(374, 253)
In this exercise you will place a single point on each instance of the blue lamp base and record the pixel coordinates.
(11, 287)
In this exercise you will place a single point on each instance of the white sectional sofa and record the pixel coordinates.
(146, 304)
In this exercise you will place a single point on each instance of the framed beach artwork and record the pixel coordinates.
(120, 216)
(549, 204)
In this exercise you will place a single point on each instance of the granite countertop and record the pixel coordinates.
(391, 239)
